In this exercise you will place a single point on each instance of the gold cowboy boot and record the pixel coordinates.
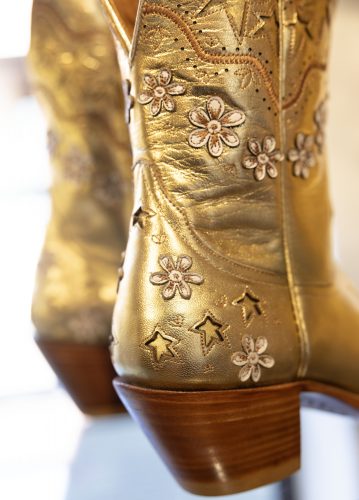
(73, 63)
(230, 305)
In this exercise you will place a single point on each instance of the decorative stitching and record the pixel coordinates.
(248, 12)
(233, 59)
(312, 67)
(159, 239)
(176, 321)
(160, 191)
(156, 36)
(222, 301)
(212, 58)
(245, 76)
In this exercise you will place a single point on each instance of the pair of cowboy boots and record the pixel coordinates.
(230, 304)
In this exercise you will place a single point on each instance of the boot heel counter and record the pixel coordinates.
(184, 321)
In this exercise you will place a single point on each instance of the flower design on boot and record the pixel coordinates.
(160, 91)
(253, 358)
(320, 118)
(88, 324)
(303, 156)
(176, 276)
(264, 158)
(78, 166)
(214, 126)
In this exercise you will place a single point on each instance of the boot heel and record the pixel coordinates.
(86, 371)
(221, 442)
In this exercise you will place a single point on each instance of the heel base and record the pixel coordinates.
(248, 481)
(86, 372)
(220, 442)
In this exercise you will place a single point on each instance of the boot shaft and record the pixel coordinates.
(231, 207)
(76, 78)
(228, 110)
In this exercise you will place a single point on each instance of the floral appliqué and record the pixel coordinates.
(109, 189)
(320, 118)
(264, 159)
(78, 166)
(253, 358)
(88, 324)
(176, 276)
(160, 91)
(214, 126)
(303, 156)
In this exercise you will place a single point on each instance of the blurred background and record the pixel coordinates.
(48, 449)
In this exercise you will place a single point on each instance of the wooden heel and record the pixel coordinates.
(221, 442)
(87, 372)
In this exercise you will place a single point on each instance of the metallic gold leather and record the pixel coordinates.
(332, 319)
(306, 204)
(197, 181)
(269, 238)
(75, 75)
(209, 209)
(140, 308)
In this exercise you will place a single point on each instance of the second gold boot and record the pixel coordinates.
(76, 78)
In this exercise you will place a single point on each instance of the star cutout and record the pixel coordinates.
(141, 215)
(129, 100)
(212, 332)
(250, 304)
(162, 346)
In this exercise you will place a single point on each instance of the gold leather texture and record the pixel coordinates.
(229, 252)
(74, 69)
